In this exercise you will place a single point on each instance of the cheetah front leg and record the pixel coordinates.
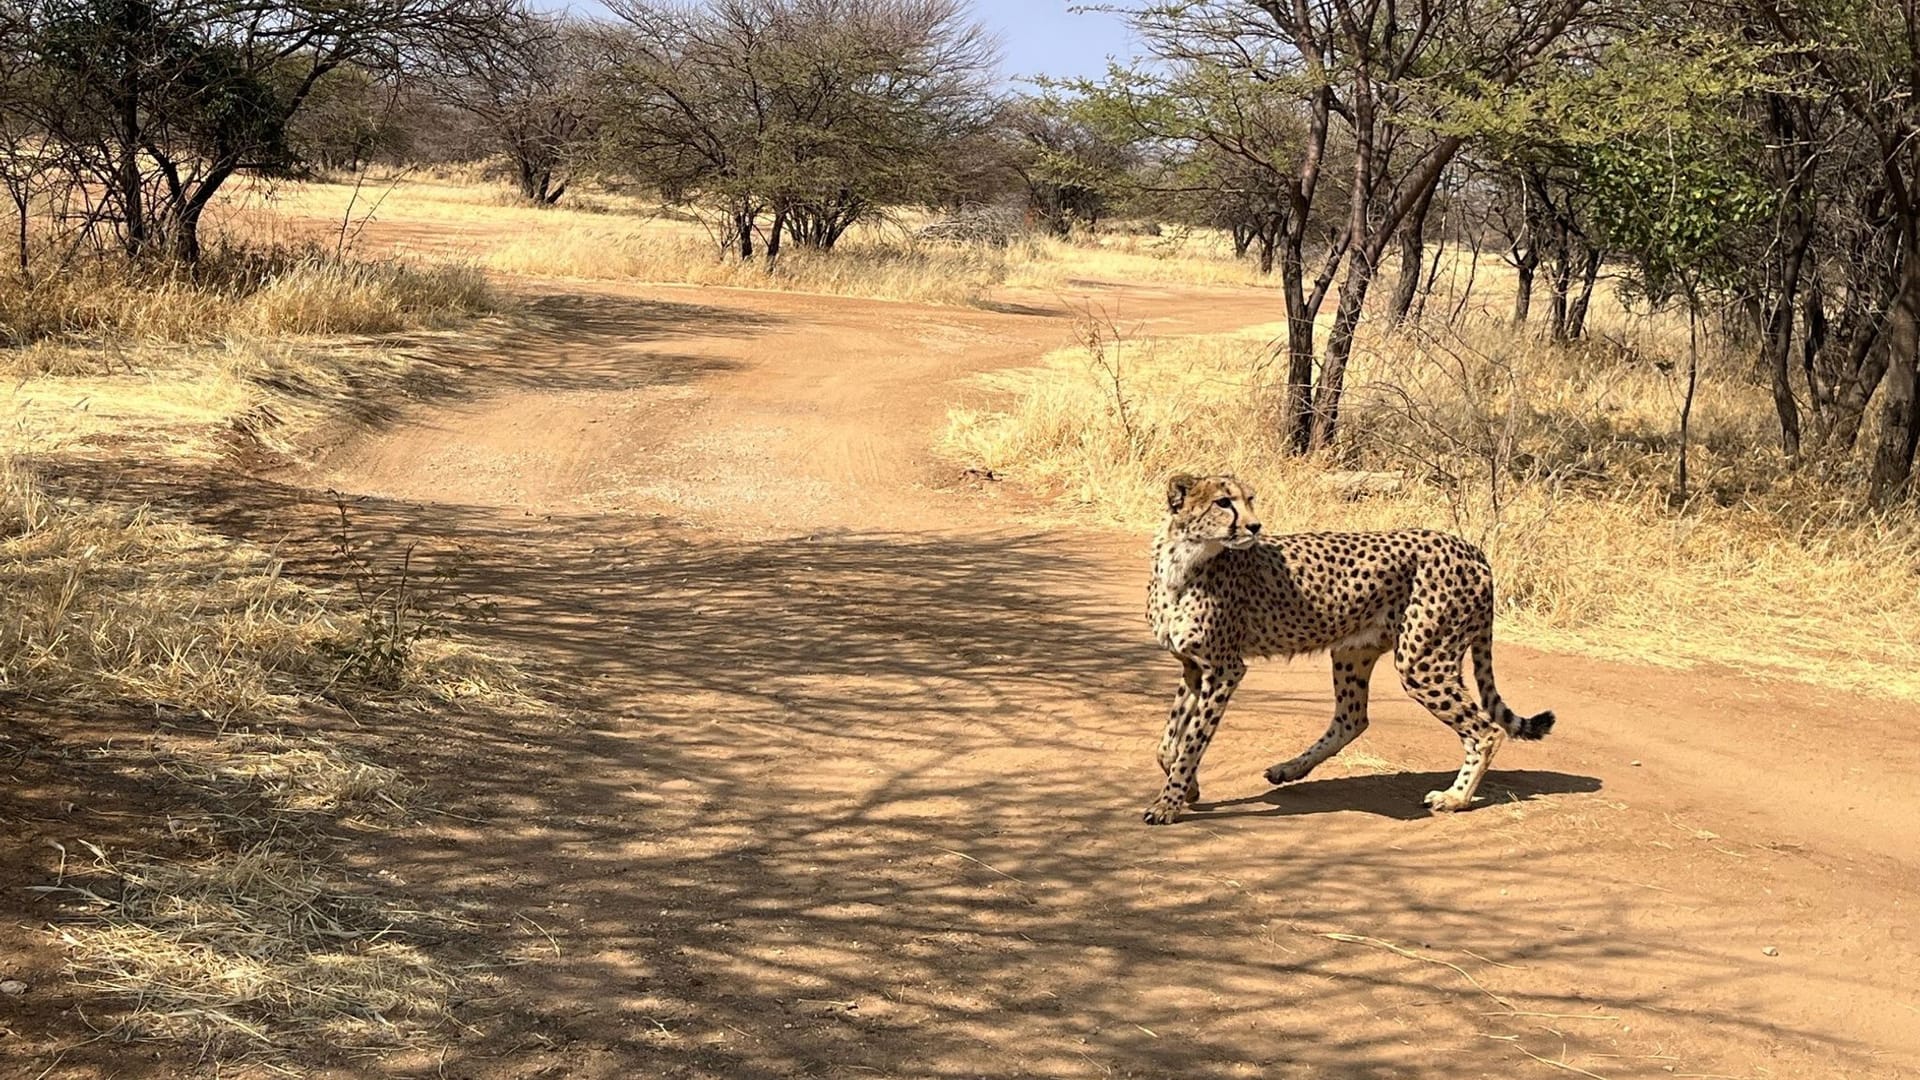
(1207, 705)
(1183, 698)
(1352, 674)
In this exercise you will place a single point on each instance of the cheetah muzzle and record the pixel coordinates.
(1223, 592)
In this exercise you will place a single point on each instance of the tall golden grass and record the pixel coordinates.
(1559, 460)
(233, 293)
(125, 605)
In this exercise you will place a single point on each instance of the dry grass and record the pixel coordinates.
(292, 774)
(617, 237)
(240, 951)
(151, 393)
(250, 941)
(111, 605)
(245, 941)
(1558, 460)
(870, 266)
(233, 294)
(1189, 257)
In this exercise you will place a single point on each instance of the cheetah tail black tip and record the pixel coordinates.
(1535, 727)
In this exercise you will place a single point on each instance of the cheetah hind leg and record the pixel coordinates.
(1352, 672)
(1445, 695)
(1480, 742)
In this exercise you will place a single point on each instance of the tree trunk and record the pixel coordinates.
(1353, 291)
(1576, 322)
(743, 231)
(183, 234)
(1559, 286)
(136, 25)
(1868, 363)
(1300, 331)
(1777, 345)
(1523, 295)
(1813, 342)
(24, 251)
(1693, 381)
(1333, 372)
(773, 235)
(1899, 402)
(1412, 249)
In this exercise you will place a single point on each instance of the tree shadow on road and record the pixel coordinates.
(559, 343)
(858, 804)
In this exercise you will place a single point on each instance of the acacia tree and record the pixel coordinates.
(812, 113)
(352, 115)
(1247, 199)
(160, 102)
(1853, 268)
(1223, 94)
(1071, 170)
(532, 88)
(1392, 81)
(1681, 213)
(1222, 147)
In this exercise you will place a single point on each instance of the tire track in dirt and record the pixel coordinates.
(854, 782)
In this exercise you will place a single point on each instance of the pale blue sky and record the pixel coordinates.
(1042, 37)
(1037, 37)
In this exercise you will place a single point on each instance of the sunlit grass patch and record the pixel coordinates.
(1558, 460)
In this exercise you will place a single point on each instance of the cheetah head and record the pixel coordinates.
(1211, 510)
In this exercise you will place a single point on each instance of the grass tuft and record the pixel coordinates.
(240, 951)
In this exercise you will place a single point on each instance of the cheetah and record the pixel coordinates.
(1222, 591)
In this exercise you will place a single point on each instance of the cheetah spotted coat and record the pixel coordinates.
(1221, 593)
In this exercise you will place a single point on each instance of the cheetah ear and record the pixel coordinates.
(1177, 489)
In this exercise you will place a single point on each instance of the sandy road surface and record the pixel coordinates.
(853, 780)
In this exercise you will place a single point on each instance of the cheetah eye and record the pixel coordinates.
(1224, 504)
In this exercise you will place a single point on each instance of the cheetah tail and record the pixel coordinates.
(1517, 726)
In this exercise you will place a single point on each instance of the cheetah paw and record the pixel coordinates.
(1193, 793)
(1287, 772)
(1446, 802)
(1162, 812)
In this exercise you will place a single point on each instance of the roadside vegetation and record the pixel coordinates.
(1556, 458)
(230, 923)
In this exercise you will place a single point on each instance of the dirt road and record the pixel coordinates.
(852, 781)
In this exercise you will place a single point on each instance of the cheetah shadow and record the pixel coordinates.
(1394, 795)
